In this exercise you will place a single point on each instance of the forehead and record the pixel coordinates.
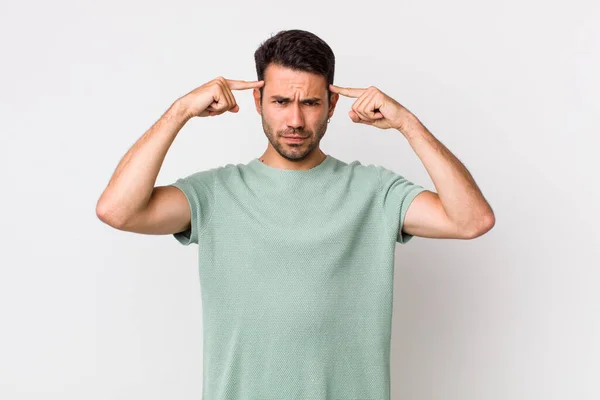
(283, 80)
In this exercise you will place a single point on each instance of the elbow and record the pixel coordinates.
(106, 215)
(482, 226)
(101, 212)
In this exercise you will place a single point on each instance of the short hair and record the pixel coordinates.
(299, 50)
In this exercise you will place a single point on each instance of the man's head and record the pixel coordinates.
(297, 67)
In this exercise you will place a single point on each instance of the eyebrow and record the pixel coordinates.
(281, 98)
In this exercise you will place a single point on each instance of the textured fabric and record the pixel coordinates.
(296, 275)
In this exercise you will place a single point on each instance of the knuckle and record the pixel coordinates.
(217, 82)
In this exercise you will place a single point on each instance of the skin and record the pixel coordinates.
(304, 113)
(459, 209)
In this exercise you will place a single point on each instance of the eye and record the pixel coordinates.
(279, 101)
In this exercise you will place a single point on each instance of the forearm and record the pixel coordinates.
(133, 181)
(459, 194)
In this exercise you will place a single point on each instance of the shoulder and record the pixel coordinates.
(384, 176)
(359, 170)
(203, 177)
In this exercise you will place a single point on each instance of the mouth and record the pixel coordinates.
(294, 139)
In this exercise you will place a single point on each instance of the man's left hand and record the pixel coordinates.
(373, 107)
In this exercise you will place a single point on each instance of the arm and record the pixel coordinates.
(132, 185)
(458, 209)
(130, 201)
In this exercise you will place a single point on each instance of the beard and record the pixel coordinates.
(295, 151)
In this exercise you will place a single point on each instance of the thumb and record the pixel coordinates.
(235, 109)
(353, 116)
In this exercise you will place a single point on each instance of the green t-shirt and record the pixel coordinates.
(296, 276)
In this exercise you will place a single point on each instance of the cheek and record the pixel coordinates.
(317, 116)
(272, 112)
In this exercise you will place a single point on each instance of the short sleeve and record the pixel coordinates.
(397, 193)
(198, 188)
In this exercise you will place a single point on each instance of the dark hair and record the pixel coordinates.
(299, 50)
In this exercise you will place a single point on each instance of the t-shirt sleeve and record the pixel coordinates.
(198, 188)
(397, 193)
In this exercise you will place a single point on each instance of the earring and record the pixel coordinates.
(329, 120)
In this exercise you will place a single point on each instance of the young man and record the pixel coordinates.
(296, 247)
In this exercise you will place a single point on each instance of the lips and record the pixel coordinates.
(296, 137)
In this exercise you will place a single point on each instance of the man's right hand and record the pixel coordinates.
(215, 97)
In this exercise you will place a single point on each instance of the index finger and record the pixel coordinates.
(348, 92)
(242, 85)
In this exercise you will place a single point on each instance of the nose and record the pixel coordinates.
(295, 119)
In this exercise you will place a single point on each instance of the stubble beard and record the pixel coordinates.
(299, 151)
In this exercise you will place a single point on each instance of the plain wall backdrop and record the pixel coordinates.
(511, 88)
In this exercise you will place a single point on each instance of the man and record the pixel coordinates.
(296, 247)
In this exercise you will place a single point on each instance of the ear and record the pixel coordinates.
(256, 94)
(332, 103)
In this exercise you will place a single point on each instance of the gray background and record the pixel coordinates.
(511, 88)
